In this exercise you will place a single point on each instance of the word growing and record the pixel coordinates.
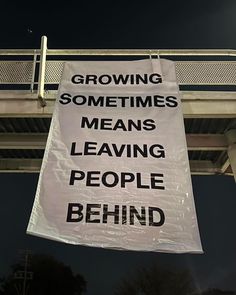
(106, 79)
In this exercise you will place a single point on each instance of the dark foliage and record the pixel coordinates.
(157, 281)
(49, 276)
(218, 292)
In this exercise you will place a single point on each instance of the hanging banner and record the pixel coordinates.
(115, 172)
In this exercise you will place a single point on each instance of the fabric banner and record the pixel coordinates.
(115, 172)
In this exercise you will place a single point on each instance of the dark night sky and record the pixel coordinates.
(163, 24)
(215, 198)
(119, 24)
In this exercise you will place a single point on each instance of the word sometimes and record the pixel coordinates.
(111, 179)
(106, 79)
(120, 214)
(89, 148)
(159, 101)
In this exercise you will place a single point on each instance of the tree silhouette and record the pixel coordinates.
(49, 276)
(218, 292)
(157, 281)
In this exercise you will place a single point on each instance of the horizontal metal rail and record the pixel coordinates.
(19, 52)
(195, 104)
(210, 73)
(123, 52)
(195, 142)
(36, 74)
(14, 165)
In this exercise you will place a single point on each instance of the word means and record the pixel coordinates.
(119, 124)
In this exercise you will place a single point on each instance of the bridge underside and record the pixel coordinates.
(208, 102)
(24, 126)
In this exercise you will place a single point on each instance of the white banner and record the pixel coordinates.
(115, 173)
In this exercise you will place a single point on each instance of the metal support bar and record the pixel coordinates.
(23, 141)
(195, 142)
(198, 167)
(231, 138)
(195, 104)
(20, 165)
(206, 142)
(143, 52)
(226, 166)
(33, 166)
(124, 52)
(33, 72)
(42, 68)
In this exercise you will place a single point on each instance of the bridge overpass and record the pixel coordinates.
(29, 80)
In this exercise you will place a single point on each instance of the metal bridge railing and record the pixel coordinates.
(44, 67)
(36, 71)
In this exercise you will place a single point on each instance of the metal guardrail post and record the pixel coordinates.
(42, 68)
(33, 72)
(231, 138)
